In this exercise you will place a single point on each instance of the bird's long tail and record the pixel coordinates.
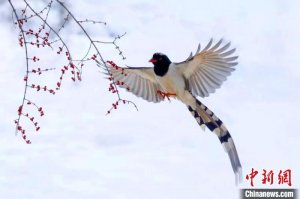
(206, 117)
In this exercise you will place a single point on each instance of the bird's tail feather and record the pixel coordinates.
(206, 117)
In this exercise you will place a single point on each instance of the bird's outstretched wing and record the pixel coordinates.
(208, 68)
(138, 80)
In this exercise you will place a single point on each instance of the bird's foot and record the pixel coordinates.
(165, 95)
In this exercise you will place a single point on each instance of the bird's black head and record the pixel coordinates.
(161, 63)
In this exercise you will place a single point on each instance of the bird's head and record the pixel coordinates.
(160, 60)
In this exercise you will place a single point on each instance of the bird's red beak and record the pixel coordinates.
(152, 60)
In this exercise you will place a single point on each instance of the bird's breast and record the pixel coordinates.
(172, 81)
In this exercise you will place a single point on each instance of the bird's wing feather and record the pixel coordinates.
(138, 80)
(208, 68)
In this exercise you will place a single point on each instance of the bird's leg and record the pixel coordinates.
(165, 95)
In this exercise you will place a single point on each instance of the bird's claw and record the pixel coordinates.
(165, 95)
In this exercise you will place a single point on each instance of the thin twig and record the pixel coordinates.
(27, 64)
(91, 40)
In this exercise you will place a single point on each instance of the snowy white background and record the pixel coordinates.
(159, 151)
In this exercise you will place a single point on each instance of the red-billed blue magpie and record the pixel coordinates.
(199, 75)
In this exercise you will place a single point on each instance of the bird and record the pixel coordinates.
(197, 76)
